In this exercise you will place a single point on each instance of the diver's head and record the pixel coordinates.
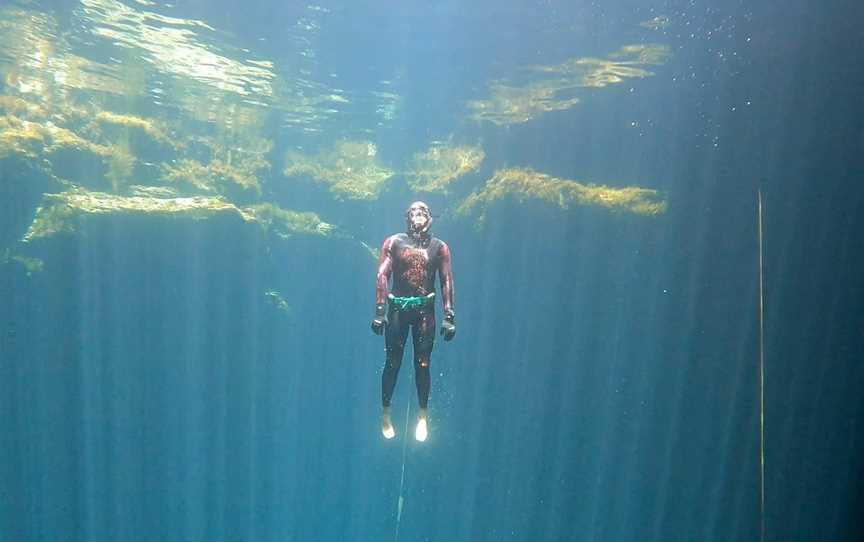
(418, 218)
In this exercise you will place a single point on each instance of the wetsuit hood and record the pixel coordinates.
(409, 224)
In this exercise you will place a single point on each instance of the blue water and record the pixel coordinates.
(604, 383)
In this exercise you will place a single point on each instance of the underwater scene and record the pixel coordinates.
(430, 271)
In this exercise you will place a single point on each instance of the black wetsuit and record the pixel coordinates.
(413, 264)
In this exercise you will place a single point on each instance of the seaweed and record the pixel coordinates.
(523, 184)
(350, 169)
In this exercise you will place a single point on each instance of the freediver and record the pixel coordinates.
(412, 259)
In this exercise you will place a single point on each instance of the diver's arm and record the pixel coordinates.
(448, 326)
(445, 273)
(385, 269)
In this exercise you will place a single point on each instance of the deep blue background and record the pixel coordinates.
(603, 384)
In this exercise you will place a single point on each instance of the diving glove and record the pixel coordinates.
(380, 320)
(448, 326)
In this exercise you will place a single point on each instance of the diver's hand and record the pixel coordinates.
(380, 320)
(448, 326)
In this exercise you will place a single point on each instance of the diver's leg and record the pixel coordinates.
(394, 339)
(423, 335)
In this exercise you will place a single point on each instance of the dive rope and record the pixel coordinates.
(401, 500)
(761, 377)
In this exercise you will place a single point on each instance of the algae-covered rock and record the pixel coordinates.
(37, 139)
(134, 123)
(285, 224)
(522, 185)
(228, 167)
(513, 104)
(659, 22)
(435, 169)
(140, 138)
(31, 265)
(351, 169)
(20, 137)
(217, 177)
(48, 146)
(629, 62)
(19, 107)
(153, 191)
(557, 87)
(277, 300)
(61, 213)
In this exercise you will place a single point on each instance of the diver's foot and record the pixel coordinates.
(386, 425)
(422, 431)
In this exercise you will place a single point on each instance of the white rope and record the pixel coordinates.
(761, 379)
(401, 500)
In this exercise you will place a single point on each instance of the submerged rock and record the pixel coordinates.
(435, 169)
(351, 169)
(29, 264)
(522, 185)
(61, 213)
(557, 87)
